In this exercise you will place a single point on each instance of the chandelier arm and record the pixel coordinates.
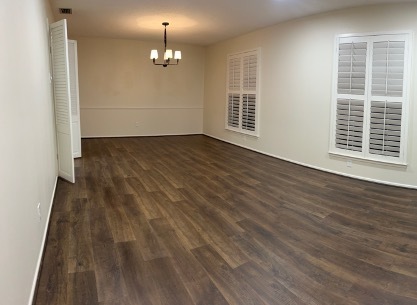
(166, 64)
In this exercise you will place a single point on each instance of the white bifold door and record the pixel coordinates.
(75, 100)
(61, 86)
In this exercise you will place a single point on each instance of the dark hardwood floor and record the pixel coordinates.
(192, 220)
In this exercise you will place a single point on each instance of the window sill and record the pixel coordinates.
(366, 160)
(243, 132)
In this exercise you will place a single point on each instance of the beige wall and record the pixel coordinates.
(296, 87)
(122, 93)
(27, 148)
(119, 86)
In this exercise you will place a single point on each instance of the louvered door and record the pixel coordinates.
(75, 100)
(60, 71)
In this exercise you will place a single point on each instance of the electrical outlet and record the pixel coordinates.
(137, 124)
(39, 211)
(349, 163)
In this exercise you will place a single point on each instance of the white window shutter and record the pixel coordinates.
(349, 124)
(387, 100)
(371, 99)
(234, 73)
(385, 129)
(388, 68)
(352, 68)
(233, 110)
(249, 112)
(242, 92)
(250, 69)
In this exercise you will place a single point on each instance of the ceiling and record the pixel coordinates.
(200, 22)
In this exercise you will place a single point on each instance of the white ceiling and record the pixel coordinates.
(200, 22)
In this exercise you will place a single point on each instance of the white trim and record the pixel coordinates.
(240, 133)
(369, 39)
(142, 108)
(38, 265)
(366, 160)
(407, 85)
(244, 51)
(409, 186)
(142, 135)
(405, 32)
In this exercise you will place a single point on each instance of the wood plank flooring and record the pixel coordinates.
(192, 220)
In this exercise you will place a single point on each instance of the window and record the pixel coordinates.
(370, 101)
(242, 92)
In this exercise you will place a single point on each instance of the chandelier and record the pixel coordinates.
(167, 53)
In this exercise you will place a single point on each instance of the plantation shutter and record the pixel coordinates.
(370, 103)
(385, 131)
(352, 68)
(250, 66)
(242, 96)
(233, 110)
(349, 124)
(388, 63)
(388, 68)
(249, 112)
(234, 73)
(351, 83)
(250, 72)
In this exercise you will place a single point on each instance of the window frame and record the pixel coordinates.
(370, 39)
(241, 92)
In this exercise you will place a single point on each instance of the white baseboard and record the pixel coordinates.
(409, 186)
(142, 135)
(35, 280)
